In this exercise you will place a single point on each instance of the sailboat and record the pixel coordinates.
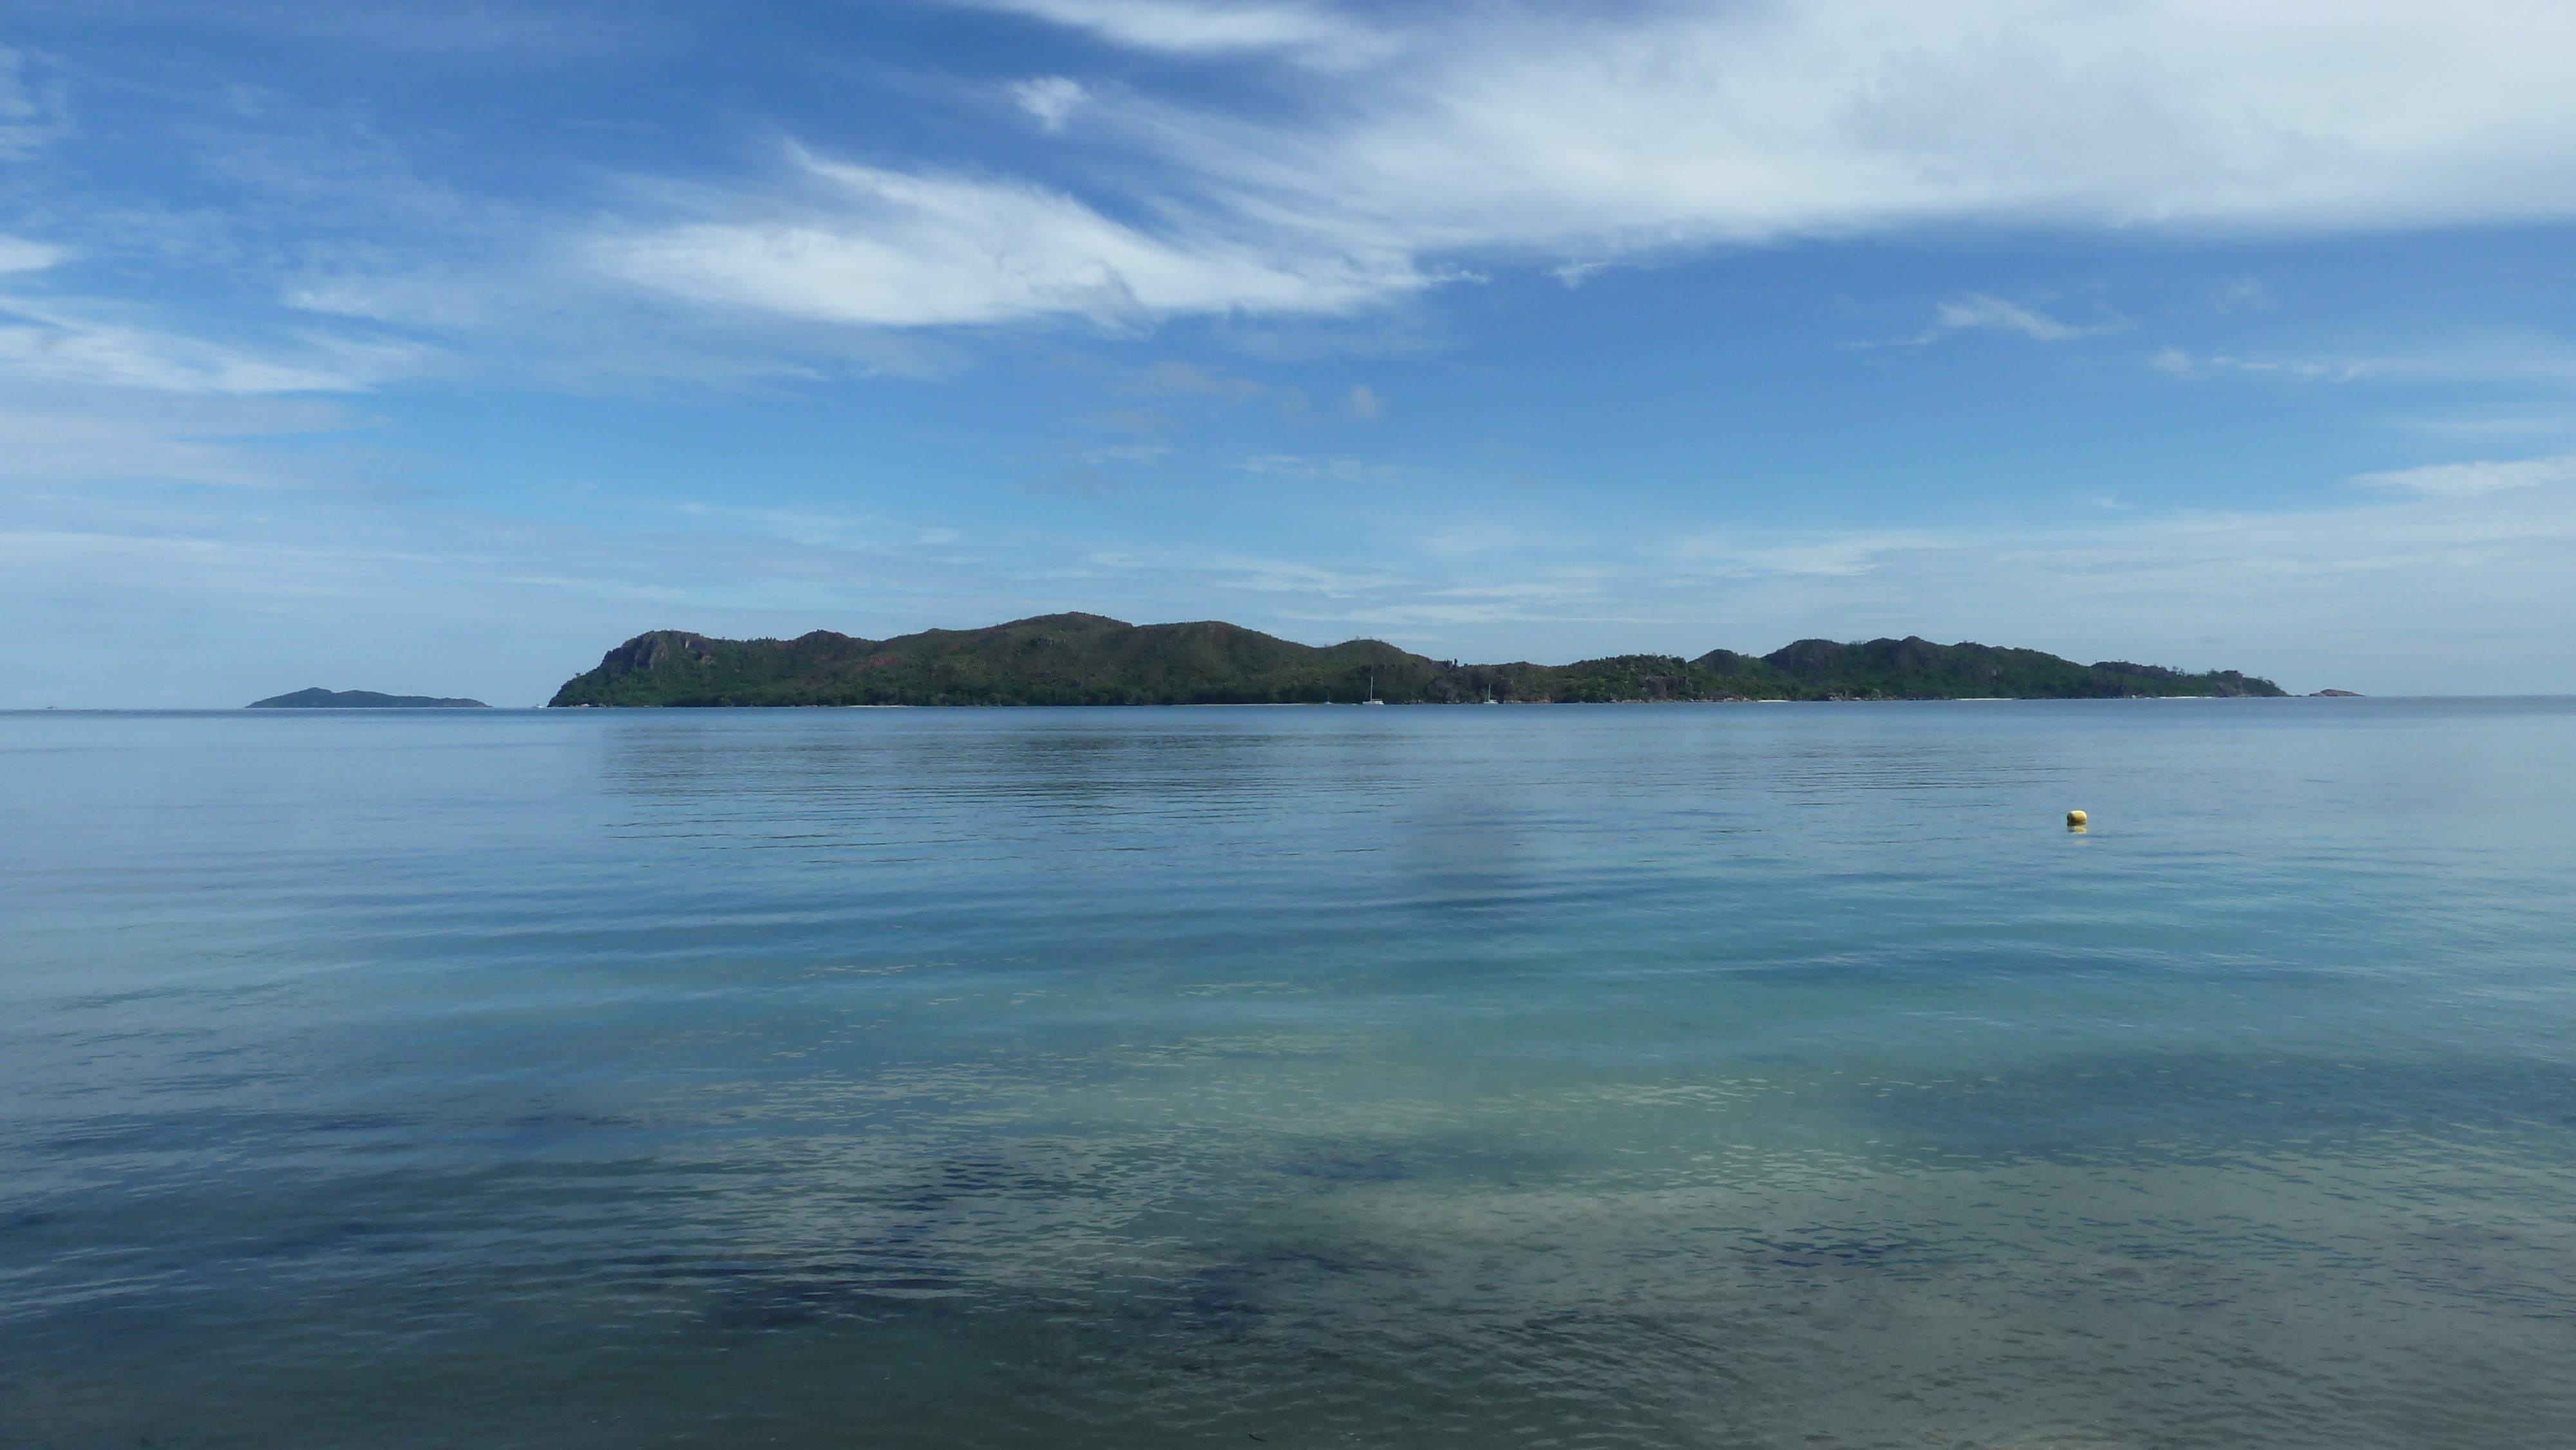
(1372, 689)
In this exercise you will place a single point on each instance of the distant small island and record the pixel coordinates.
(318, 698)
(1088, 659)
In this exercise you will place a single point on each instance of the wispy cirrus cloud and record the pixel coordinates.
(458, 27)
(1979, 312)
(2524, 361)
(1429, 135)
(17, 254)
(1719, 122)
(2454, 480)
(74, 342)
(904, 250)
(1315, 34)
(32, 111)
(1335, 470)
(1983, 312)
(73, 436)
(2301, 369)
(1051, 99)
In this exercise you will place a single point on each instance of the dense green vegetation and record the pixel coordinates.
(1917, 669)
(1057, 659)
(318, 698)
(1084, 659)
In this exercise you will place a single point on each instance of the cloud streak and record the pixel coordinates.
(903, 250)
(1980, 312)
(31, 110)
(1312, 34)
(1704, 122)
(75, 436)
(70, 343)
(2459, 480)
(1051, 99)
(1429, 136)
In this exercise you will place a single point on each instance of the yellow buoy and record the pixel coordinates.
(2075, 820)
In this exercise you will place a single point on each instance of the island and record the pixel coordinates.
(318, 698)
(1088, 659)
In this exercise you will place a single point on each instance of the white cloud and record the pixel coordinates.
(17, 254)
(2496, 420)
(1701, 122)
(1978, 311)
(2514, 360)
(1190, 380)
(1363, 404)
(430, 301)
(2301, 369)
(904, 250)
(31, 113)
(64, 342)
(2463, 479)
(511, 28)
(1763, 554)
(1145, 454)
(1336, 470)
(56, 435)
(1177, 27)
(1052, 99)
(1578, 138)
(1075, 483)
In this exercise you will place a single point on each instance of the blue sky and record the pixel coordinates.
(441, 347)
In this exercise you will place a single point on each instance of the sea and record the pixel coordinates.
(1571, 1076)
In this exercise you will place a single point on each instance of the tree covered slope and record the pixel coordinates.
(318, 698)
(1086, 659)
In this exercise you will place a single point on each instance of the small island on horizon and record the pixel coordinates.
(1089, 659)
(318, 698)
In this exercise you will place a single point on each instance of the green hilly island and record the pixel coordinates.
(318, 698)
(1087, 659)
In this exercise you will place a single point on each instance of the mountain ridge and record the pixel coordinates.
(1090, 659)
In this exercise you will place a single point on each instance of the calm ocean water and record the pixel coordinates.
(1575, 1076)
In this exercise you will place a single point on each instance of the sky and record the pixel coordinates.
(439, 348)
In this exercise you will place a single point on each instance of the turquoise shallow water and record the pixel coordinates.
(1576, 1076)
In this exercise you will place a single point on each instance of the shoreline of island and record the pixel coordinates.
(1088, 659)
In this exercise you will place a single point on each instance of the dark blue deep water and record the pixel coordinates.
(1578, 1076)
